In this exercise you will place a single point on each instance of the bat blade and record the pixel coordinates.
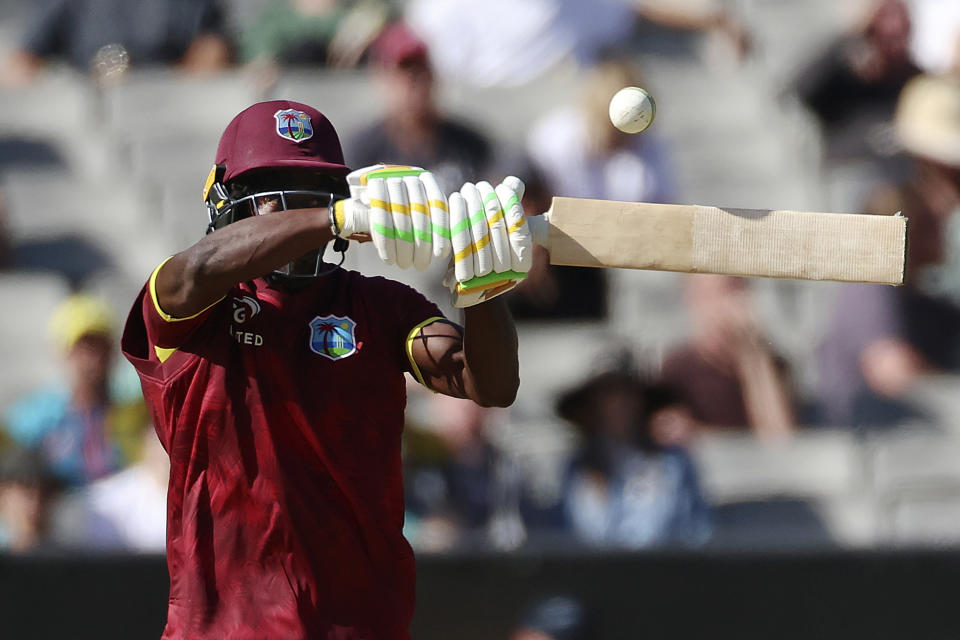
(744, 242)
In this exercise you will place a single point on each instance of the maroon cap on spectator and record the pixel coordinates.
(280, 134)
(398, 46)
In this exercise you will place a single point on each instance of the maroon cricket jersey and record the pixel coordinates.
(282, 414)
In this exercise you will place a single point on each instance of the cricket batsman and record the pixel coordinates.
(276, 379)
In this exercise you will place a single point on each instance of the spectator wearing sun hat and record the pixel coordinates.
(80, 425)
(882, 341)
(628, 485)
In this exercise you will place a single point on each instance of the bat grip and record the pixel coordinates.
(539, 228)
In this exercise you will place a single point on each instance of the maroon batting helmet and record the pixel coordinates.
(279, 134)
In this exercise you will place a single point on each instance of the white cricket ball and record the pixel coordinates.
(632, 110)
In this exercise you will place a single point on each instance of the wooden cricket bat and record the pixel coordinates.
(745, 242)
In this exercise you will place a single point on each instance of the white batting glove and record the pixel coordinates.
(402, 209)
(492, 245)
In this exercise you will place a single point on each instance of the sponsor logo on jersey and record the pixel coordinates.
(245, 308)
(246, 337)
(293, 125)
(333, 337)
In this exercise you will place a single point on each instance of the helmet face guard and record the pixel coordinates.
(223, 210)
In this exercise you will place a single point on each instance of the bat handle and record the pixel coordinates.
(540, 228)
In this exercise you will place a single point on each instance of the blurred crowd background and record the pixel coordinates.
(656, 410)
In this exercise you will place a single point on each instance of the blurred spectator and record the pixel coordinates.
(935, 42)
(699, 17)
(81, 426)
(413, 131)
(452, 475)
(727, 375)
(625, 488)
(852, 87)
(577, 153)
(331, 33)
(26, 489)
(533, 36)
(554, 618)
(554, 292)
(88, 34)
(126, 510)
(882, 340)
(582, 155)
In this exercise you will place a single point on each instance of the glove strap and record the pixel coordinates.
(489, 281)
(337, 216)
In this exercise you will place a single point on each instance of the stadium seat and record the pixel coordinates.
(30, 299)
(914, 459)
(916, 482)
(814, 464)
(164, 101)
(932, 518)
(805, 492)
(557, 356)
(58, 105)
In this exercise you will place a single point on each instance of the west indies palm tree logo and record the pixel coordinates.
(333, 337)
(293, 125)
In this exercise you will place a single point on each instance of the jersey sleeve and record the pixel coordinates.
(151, 334)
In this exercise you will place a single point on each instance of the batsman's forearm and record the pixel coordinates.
(250, 248)
(490, 353)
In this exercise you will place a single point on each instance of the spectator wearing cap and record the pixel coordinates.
(413, 131)
(628, 487)
(882, 341)
(83, 427)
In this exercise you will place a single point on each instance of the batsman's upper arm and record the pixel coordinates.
(435, 352)
(166, 329)
(177, 291)
(155, 297)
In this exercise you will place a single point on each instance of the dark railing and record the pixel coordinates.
(902, 594)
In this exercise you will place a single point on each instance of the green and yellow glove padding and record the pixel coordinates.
(403, 210)
(411, 223)
(492, 246)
